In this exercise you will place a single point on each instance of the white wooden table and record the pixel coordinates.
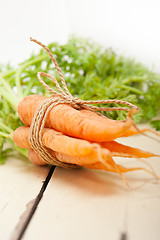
(80, 204)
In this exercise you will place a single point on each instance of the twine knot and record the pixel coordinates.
(77, 103)
(58, 97)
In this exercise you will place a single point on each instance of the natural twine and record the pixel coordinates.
(63, 96)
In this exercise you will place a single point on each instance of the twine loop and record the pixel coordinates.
(59, 97)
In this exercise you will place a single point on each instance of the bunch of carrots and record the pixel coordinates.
(79, 137)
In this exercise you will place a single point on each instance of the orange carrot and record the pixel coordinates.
(73, 122)
(89, 159)
(101, 160)
(83, 161)
(133, 131)
(109, 165)
(35, 158)
(100, 117)
(55, 141)
(121, 150)
(100, 166)
(75, 147)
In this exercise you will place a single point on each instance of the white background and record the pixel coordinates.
(130, 27)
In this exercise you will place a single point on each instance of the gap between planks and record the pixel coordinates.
(31, 207)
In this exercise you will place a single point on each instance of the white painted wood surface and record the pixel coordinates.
(83, 204)
(87, 204)
(20, 183)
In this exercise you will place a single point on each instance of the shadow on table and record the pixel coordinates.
(97, 182)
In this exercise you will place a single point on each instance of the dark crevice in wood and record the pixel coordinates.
(123, 236)
(31, 208)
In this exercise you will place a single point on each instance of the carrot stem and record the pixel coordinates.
(3, 126)
(7, 73)
(23, 152)
(27, 90)
(132, 89)
(12, 100)
(128, 80)
(9, 136)
(7, 86)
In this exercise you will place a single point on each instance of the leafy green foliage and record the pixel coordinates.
(156, 124)
(90, 71)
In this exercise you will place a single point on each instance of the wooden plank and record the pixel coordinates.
(87, 204)
(20, 184)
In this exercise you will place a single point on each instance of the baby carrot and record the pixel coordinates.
(73, 122)
(55, 141)
(89, 159)
(82, 160)
(133, 131)
(121, 150)
(110, 168)
(109, 165)
(35, 158)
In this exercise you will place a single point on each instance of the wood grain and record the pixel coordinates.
(20, 184)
